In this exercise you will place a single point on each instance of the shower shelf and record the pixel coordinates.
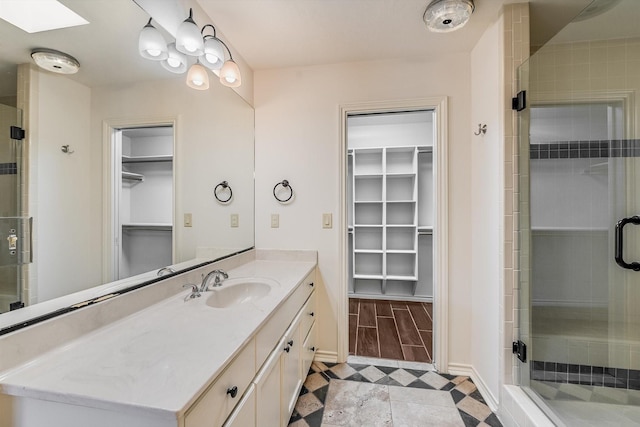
(560, 229)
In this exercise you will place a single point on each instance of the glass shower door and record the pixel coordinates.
(579, 219)
(14, 228)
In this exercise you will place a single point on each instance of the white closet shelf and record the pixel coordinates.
(401, 226)
(145, 159)
(368, 251)
(404, 278)
(368, 276)
(400, 201)
(368, 225)
(132, 176)
(400, 175)
(367, 175)
(401, 251)
(358, 202)
(148, 226)
(425, 229)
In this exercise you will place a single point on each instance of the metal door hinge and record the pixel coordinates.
(519, 103)
(17, 133)
(520, 349)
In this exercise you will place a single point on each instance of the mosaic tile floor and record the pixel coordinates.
(350, 394)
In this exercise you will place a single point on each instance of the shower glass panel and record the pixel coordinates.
(579, 227)
(12, 226)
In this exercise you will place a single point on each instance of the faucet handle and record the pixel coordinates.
(221, 272)
(195, 292)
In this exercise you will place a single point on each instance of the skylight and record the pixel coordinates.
(34, 16)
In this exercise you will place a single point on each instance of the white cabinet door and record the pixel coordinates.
(269, 389)
(308, 352)
(244, 415)
(291, 380)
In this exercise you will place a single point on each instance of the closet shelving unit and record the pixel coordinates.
(386, 225)
(145, 207)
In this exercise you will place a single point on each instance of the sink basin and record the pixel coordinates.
(234, 292)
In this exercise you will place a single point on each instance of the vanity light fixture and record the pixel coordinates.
(193, 47)
(443, 16)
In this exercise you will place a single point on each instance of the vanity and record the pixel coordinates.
(235, 356)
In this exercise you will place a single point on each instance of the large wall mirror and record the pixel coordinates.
(121, 135)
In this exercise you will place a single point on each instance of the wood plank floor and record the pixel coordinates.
(398, 330)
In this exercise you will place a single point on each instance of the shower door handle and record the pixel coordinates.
(635, 220)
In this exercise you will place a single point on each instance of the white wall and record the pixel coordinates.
(214, 143)
(485, 215)
(60, 187)
(298, 138)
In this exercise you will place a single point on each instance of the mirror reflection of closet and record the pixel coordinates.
(144, 203)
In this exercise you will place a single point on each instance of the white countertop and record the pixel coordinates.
(160, 359)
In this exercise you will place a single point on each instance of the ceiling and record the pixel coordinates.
(267, 34)
(285, 33)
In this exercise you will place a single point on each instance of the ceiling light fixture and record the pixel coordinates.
(55, 61)
(191, 46)
(443, 16)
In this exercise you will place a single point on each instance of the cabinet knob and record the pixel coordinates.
(312, 348)
(312, 314)
(311, 284)
(290, 343)
(233, 391)
(287, 348)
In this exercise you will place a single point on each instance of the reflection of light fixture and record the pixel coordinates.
(191, 43)
(151, 44)
(443, 16)
(56, 61)
(197, 77)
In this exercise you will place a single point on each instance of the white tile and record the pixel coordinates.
(421, 396)
(403, 377)
(360, 360)
(434, 380)
(372, 373)
(411, 415)
(352, 403)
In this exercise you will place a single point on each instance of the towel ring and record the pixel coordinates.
(224, 185)
(285, 184)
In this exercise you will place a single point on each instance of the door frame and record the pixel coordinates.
(439, 106)
(109, 190)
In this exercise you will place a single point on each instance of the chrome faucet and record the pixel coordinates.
(217, 281)
(165, 270)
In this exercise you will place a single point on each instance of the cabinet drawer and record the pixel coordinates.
(272, 331)
(245, 413)
(216, 403)
(308, 313)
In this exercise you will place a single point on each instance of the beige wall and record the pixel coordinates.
(298, 138)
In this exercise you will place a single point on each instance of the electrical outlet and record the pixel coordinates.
(187, 220)
(327, 220)
(275, 220)
(234, 220)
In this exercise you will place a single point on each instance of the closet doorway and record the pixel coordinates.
(142, 199)
(390, 223)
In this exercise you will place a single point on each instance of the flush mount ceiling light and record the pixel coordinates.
(443, 16)
(56, 61)
(193, 47)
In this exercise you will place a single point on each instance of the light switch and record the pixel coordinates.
(187, 220)
(327, 220)
(275, 220)
(234, 220)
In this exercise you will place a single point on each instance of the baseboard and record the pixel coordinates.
(469, 371)
(326, 356)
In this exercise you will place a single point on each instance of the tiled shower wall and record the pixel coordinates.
(516, 51)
